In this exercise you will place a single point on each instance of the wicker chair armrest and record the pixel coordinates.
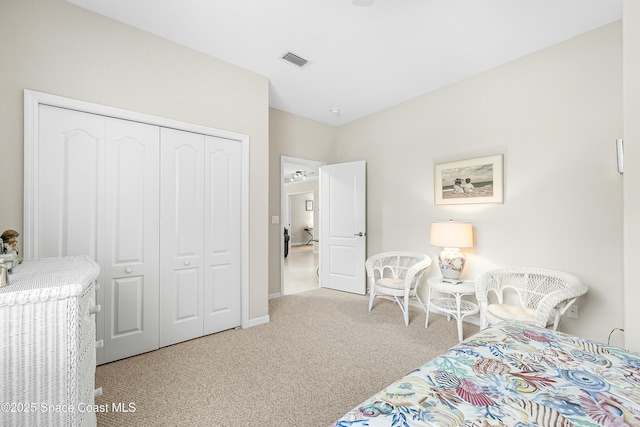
(414, 273)
(551, 301)
(481, 292)
(484, 284)
(371, 272)
(544, 309)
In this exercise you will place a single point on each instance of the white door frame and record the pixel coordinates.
(283, 206)
(32, 101)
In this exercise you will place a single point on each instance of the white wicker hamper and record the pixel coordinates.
(47, 343)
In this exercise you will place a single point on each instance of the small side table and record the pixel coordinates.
(456, 306)
(309, 231)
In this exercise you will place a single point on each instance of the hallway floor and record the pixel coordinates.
(300, 270)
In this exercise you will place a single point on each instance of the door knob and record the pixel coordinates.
(128, 270)
(187, 262)
(360, 234)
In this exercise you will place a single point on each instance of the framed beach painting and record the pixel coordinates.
(476, 180)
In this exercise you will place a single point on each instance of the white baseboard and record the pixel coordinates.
(275, 295)
(257, 321)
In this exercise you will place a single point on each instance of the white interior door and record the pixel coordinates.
(182, 234)
(343, 230)
(129, 263)
(222, 195)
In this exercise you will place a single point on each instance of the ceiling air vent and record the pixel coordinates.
(294, 59)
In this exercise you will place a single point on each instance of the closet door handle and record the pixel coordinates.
(128, 270)
(187, 262)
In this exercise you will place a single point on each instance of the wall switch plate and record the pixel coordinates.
(572, 312)
(275, 220)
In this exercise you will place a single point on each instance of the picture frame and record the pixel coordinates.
(484, 174)
(309, 205)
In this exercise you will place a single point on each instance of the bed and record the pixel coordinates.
(512, 375)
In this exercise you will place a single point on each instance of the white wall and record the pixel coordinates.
(312, 189)
(631, 70)
(54, 47)
(300, 218)
(293, 136)
(555, 115)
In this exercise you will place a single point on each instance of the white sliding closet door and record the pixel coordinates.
(98, 195)
(199, 235)
(160, 210)
(182, 236)
(69, 183)
(130, 262)
(222, 195)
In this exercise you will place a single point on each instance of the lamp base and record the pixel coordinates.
(451, 262)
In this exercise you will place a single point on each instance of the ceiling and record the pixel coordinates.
(361, 59)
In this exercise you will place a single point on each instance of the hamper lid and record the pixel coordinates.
(46, 279)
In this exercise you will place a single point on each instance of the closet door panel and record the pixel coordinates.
(70, 151)
(181, 230)
(186, 298)
(126, 302)
(222, 298)
(130, 265)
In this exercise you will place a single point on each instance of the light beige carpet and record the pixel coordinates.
(321, 355)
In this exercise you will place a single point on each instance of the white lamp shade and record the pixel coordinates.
(451, 234)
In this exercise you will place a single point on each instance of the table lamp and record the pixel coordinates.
(451, 236)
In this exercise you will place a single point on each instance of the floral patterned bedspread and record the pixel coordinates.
(512, 375)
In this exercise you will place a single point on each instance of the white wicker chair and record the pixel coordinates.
(543, 295)
(395, 275)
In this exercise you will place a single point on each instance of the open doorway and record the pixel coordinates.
(300, 224)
